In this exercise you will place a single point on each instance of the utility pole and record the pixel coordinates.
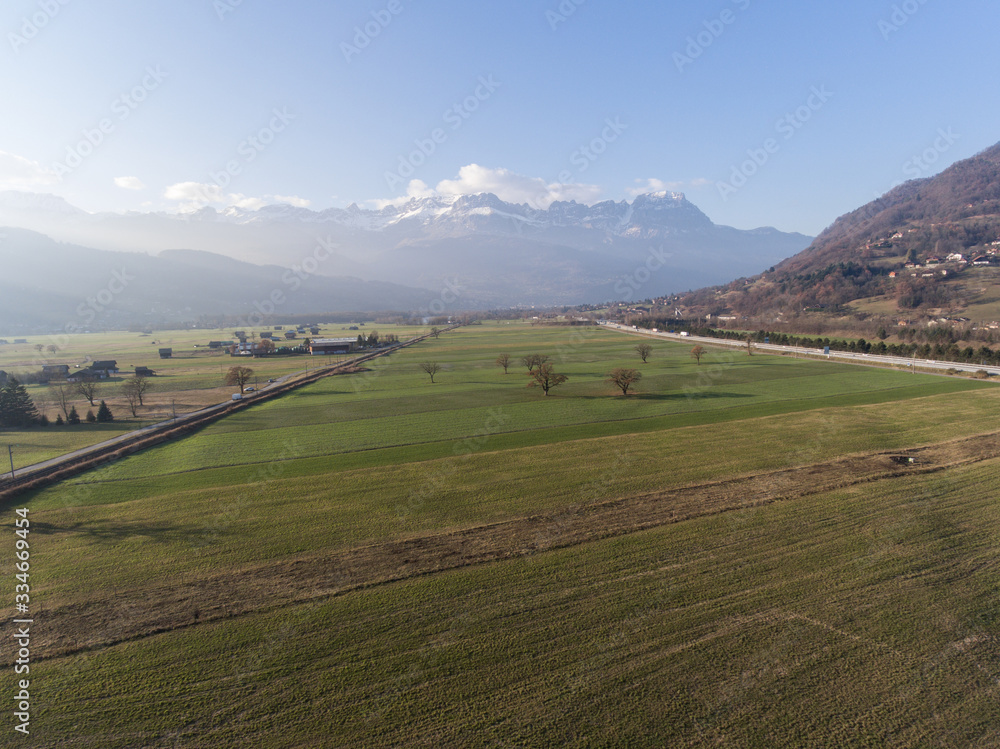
(10, 451)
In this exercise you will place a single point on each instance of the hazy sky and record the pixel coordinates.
(764, 113)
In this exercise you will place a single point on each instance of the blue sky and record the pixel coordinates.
(765, 114)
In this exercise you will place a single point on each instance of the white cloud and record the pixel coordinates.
(652, 184)
(129, 183)
(505, 184)
(195, 195)
(291, 200)
(17, 172)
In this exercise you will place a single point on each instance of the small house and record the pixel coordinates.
(267, 334)
(144, 372)
(102, 369)
(55, 371)
(290, 334)
(166, 353)
(245, 348)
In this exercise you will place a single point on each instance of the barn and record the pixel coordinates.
(326, 346)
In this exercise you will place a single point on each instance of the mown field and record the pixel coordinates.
(863, 616)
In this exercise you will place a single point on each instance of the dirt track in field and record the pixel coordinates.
(100, 622)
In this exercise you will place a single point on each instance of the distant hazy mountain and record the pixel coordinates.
(48, 286)
(495, 253)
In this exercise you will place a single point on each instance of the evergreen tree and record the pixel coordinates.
(59, 420)
(16, 406)
(90, 416)
(104, 413)
(74, 417)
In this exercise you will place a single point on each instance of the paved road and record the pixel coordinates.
(149, 429)
(901, 361)
(128, 436)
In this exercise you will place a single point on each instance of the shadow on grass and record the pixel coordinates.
(674, 396)
(108, 531)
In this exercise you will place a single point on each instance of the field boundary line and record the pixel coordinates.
(85, 624)
(78, 461)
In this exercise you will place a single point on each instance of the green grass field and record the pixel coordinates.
(191, 379)
(858, 617)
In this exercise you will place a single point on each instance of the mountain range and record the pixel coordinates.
(52, 286)
(481, 251)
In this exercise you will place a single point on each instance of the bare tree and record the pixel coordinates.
(52, 348)
(131, 393)
(644, 350)
(39, 347)
(435, 332)
(534, 360)
(749, 341)
(545, 378)
(624, 378)
(88, 389)
(503, 361)
(137, 386)
(696, 353)
(431, 368)
(239, 376)
(62, 396)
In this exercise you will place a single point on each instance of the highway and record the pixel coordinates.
(869, 359)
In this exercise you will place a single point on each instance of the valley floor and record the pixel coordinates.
(743, 554)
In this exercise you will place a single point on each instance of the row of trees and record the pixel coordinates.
(543, 375)
(944, 350)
